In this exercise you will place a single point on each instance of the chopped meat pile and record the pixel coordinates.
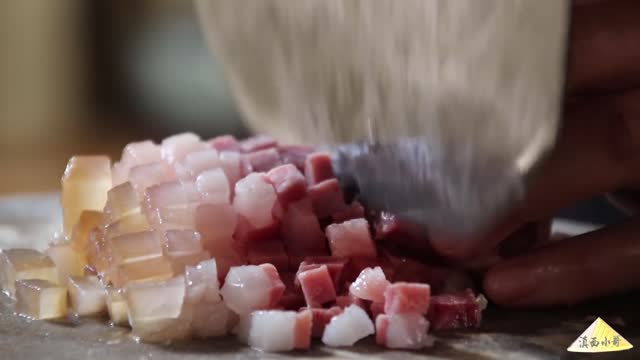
(192, 238)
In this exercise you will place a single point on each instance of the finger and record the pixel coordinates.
(604, 262)
(604, 46)
(592, 156)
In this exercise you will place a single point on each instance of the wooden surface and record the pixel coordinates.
(505, 334)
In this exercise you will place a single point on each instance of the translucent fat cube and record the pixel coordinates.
(97, 250)
(24, 264)
(139, 153)
(89, 219)
(136, 246)
(164, 219)
(122, 200)
(117, 306)
(155, 310)
(88, 297)
(180, 262)
(159, 268)
(174, 194)
(85, 183)
(144, 176)
(40, 299)
(69, 261)
(128, 224)
(180, 242)
(174, 148)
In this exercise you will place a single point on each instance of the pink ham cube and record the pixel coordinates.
(351, 238)
(213, 186)
(174, 148)
(317, 286)
(327, 198)
(321, 318)
(403, 331)
(334, 265)
(454, 311)
(224, 143)
(252, 287)
(370, 285)
(147, 175)
(345, 301)
(270, 251)
(300, 230)
(262, 160)
(295, 155)
(289, 183)
(258, 142)
(196, 162)
(254, 199)
(317, 168)
(401, 297)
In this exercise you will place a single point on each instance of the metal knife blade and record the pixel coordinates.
(444, 106)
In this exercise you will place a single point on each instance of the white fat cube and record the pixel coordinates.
(88, 296)
(24, 264)
(270, 330)
(213, 186)
(40, 299)
(210, 319)
(85, 184)
(348, 327)
(254, 199)
(117, 306)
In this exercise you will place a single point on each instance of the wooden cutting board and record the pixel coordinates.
(28, 221)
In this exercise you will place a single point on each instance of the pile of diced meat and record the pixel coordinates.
(194, 238)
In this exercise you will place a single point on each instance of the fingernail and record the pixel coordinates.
(510, 284)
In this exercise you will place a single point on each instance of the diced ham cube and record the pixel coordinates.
(402, 298)
(225, 143)
(321, 318)
(140, 153)
(176, 147)
(375, 309)
(246, 234)
(334, 265)
(317, 286)
(248, 288)
(345, 301)
(352, 211)
(144, 176)
(295, 155)
(454, 311)
(403, 331)
(318, 168)
(327, 198)
(270, 251)
(289, 183)
(348, 327)
(197, 162)
(258, 142)
(351, 238)
(213, 186)
(370, 285)
(254, 199)
(262, 160)
(301, 232)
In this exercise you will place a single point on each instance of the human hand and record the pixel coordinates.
(598, 151)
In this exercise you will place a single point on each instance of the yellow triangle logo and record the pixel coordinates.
(599, 337)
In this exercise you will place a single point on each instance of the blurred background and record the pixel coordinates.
(87, 77)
